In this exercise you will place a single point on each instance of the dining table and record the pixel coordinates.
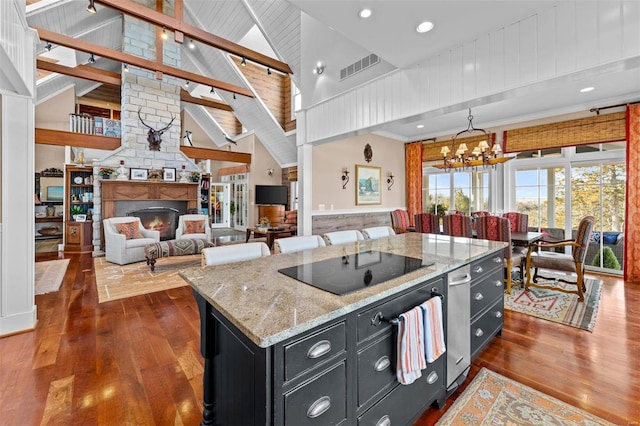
(525, 239)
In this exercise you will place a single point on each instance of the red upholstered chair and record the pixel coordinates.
(427, 223)
(480, 213)
(519, 222)
(400, 221)
(573, 262)
(496, 228)
(457, 225)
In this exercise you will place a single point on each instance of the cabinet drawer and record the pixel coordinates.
(376, 368)
(367, 320)
(486, 326)
(320, 401)
(495, 260)
(303, 354)
(405, 402)
(486, 291)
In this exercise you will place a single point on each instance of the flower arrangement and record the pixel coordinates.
(195, 176)
(106, 171)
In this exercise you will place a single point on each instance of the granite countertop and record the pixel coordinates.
(269, 307)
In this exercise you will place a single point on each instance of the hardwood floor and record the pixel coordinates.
(137, 360)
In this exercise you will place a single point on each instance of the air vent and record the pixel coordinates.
(361, 65)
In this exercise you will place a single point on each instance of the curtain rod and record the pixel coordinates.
(597, 110)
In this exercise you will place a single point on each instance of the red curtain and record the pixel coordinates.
(632, 219)
(413, 167)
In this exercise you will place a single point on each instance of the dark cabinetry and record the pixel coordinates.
(487, 301)
(205, 194)
(78, 209)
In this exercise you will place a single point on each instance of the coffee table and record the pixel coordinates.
(270, 233)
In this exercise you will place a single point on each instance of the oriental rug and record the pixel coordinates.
(492, 399)
(49, 275)
(121, 281)
(556, 306)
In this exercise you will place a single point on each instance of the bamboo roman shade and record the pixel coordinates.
(583, 131)
(431, 150)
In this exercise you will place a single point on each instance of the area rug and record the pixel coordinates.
(556, 306)
(120, 281)
(49, 275)
(492, 399)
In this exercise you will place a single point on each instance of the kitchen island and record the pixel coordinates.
(279, 351)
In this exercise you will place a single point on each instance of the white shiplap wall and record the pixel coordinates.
(568, 38)
(17, 62)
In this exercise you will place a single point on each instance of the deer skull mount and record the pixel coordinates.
(154, 137)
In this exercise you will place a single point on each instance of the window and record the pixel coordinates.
(466, 191)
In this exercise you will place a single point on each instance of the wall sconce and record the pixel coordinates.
(270, 172)
(345, 178)
(390, 181)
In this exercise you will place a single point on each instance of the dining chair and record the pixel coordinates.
(519, 222)
(496, 228)
(298, 243)
(457, 225)
(374, 232)
(480, 213)
(234, 253)
(343, 237)
(400, 221)
(550, 260)
(427, 223)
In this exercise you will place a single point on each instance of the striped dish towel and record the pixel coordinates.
(433, 329)
(410, 346)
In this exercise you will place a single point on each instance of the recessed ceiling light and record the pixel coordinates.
(420, 126)
(586, 89)
(364, 13)
(424, 27)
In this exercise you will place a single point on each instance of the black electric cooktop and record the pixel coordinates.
(342, 275)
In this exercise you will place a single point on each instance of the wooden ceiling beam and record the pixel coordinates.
(82, 71)
(186, 97)
(215, 154)
(156, 18)
(126, 58)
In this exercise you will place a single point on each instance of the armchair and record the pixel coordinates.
(125, 239)
(193, 226)
(400, 221)
(573, 263)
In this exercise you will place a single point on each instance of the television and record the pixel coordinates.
(271, 194)
(55, 193)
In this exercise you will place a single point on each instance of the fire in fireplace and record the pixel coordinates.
(161, 219)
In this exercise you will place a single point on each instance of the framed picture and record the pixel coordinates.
(81, 218)
(138, 174)
(368, 185)
(169, 174)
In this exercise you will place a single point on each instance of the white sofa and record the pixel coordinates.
(122, 251)
(181, 229)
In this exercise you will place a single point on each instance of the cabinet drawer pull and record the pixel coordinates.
(382, 364)
(319, 407)
(498, 314)
(432, 377)
(479, 332)
(497, 260)
(478, 269)
(384, 421)
(478, 296)
(321, 348)
(498, 283)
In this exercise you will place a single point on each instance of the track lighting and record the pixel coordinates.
(91, 59)
(92, 7)
(126, 68)
(234, 96)
(244, 62)
(212, 91)
(164, 33)
(268, 71)
(319, 69)
(186, 84)
(192, 45)
(48, 46)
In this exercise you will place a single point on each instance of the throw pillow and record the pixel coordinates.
(194, 226)
(129, 230)
(610, 237)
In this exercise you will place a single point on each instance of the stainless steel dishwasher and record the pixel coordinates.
(458, 327)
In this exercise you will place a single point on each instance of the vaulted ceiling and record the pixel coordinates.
(302, 32)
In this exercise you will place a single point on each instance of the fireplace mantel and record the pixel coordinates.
(118, 190)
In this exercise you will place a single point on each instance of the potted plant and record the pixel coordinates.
(74, 210)
(106, 172)
(195, 176)
(232, 208)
